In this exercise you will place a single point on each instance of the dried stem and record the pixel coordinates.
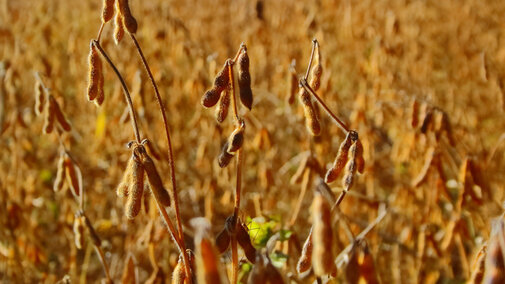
(99, 36)
(340, 123)
(167, 134)
(125, 89)
(314, 45)
(181, 244)
(234, 258)
(101, 255)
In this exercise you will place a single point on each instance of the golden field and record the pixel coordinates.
(422, 82)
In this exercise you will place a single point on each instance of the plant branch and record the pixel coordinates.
(314, 45)
(167, 134)
(125, 89)
(340, 123)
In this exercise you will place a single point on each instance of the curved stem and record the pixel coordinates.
(101, 255)
(340, 123)
(125, 89)
(178, 242)
(169, 142)
(100, 32)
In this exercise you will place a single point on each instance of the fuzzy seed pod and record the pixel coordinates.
(95, 73)
(128, 20)
(59, 115)
(223, 107)
(317, 71)
(73, 175)
(236, 139)
(49, 115)
(244, 79)
(40, 98)
(79, 231)
(60, 174)
(340, 161)
(210, 98)
(100, 96)
(305, 261)
(107, 10)
(221, 82)
(244, 241)
(124, 185)
(134, 202)
(322, 236)
(155, 183)
(350, 168)
(179, 273)
(311, 119)
(223, 240)
(118, 29)
(224, 157)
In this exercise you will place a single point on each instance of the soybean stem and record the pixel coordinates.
(340, 123)
(314, 44)
(125, 90)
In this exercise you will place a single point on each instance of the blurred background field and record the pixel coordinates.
(379, 59)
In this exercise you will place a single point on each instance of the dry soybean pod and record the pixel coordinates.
(48, 118)
(60, 174)
(244, 79)
(124, 186)
(59, 115)
(244, 241)
(78, 231)
(224, 157)
(153, 177)
(317, 70)
(305, 261)
(134, 202)
(311, 119)
(236, 139)
(118, 29)
(107, 10)
(221, 82)
(128, 20)
(340, 160)
(350, 168)
(223, 107)
(95, 72)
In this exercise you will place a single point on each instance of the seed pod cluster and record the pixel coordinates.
(232, 145)
(132, 183)
(47, 105)
(129, 21)
(350, 157)
(237, 228)
(244, 79)
(311, 118)
(107, 10)
(322, 236)
(79, 231)
(95, 76)
(221, 82)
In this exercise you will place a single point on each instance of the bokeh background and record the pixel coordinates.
(379, 57)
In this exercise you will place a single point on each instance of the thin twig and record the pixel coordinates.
(314, 44)
(340, 123)
(125, 89)
(100, 32)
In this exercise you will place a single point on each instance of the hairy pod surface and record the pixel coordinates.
(244, 80)
(311, 119)
(211, 97)
(60, 174)
(118, 29)
(107, 10)
(236, 139)
(340, 160)
(62, 121)
(224, 157)
(49, 115)
(94, 73)
(128, 20)
(223, 107)
(124, 186)
(40, 98)
(155, 183)
(135, 193)
(73, 175)
(305, 261)
(78, 231)
(350, 168)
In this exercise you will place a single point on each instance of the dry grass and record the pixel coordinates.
(441, 181)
